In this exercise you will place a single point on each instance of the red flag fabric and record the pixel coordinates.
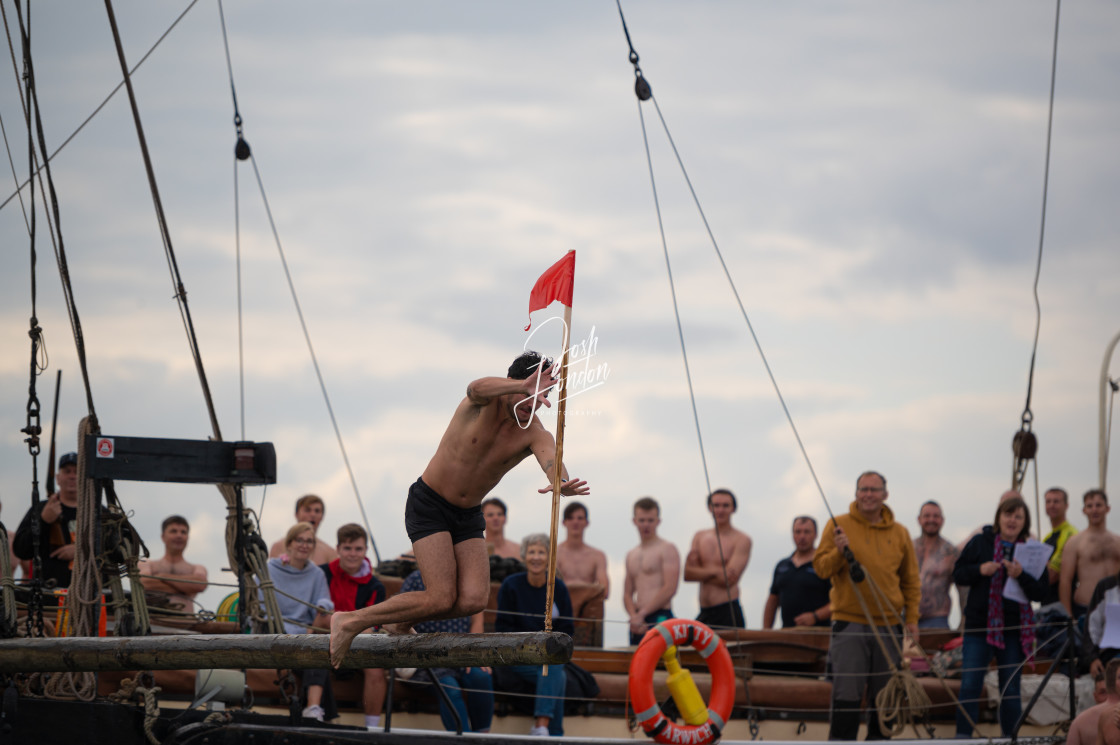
(554, 284)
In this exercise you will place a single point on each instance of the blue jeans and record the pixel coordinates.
(550, 693)
(937, 622)
(472, 695)
(976, 653)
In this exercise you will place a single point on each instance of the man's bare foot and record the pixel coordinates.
(340, 638)
(399, 629)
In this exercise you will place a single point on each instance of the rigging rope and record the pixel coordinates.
(726, 272)
(32, 106)
(83, 597)
(23, 105)
(101, 105)
(12, 164)
(643, 91)
(9, 624)
(33, 154)
(1024, 444)
(242, 151)
(33, 428)
(169, 251)
(902, 686)
(228, 492)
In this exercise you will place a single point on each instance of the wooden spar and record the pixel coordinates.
(279, 651)
(558, 467)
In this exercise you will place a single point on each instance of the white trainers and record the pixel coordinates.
(538, 732)
(314, 712)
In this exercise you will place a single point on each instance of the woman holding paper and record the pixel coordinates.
(994, 624)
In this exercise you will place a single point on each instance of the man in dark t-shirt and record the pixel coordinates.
(796, 588)
(57, 523)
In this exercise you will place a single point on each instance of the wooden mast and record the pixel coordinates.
(558, 468)
(298, 651)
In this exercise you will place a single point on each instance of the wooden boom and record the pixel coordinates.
(298, 651)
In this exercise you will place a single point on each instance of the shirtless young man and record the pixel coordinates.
(494, 513)
(309, 509)
(719, 593)
(652, 572)
(493, 429)
(1089, 556)
(577, 561)
(173, 574)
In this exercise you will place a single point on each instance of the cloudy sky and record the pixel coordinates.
(872, 172)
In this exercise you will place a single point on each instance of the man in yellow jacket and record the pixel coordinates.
(885, 552)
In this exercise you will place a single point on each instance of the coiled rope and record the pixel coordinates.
(8, 623)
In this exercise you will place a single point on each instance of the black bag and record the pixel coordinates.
(581, 689)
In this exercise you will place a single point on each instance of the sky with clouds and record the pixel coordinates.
(871, 171)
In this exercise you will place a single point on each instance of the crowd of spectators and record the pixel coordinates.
(813, 586)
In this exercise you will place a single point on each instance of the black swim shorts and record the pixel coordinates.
(723, 616)
(427, 513)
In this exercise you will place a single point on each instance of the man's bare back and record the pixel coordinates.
(1108, 726)
(1083, 729)
(704, 556)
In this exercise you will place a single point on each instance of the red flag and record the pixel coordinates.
(554, 284)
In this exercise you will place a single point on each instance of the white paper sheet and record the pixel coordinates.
(1111, 637)
(1033, 555)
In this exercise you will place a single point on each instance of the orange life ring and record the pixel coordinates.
(678, 632)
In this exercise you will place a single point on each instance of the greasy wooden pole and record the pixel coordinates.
(272, 651)
(557, 471)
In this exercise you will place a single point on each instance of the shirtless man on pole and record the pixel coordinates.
(493, 429)
(577, 561)
(1089, 556)
(653, 571)
(717, 559)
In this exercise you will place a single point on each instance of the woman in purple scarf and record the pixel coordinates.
(994, 625)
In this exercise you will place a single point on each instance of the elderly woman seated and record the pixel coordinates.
(521, 602)
(303, 586)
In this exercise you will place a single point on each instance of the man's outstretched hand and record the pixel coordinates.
(570, 488)
(540, 384)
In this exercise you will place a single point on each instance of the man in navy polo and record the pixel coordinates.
(796, 589)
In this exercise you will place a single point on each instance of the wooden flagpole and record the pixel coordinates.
(558, 471)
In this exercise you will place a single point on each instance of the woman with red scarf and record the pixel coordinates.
(995, 626)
